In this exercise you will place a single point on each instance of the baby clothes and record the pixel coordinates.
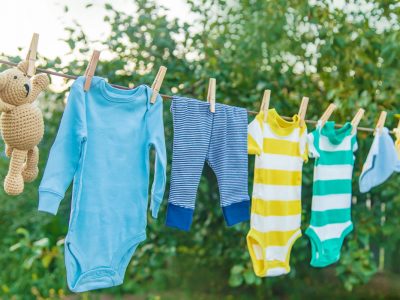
(103, 144)
(280, 147)
(381, 162)
(330, 223)
(397, 143)
(218, 138)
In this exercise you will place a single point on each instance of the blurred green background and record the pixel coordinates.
(348, 55)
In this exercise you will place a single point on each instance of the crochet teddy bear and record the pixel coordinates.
(22, 124)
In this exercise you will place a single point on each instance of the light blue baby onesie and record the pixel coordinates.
(381, 162)
(103, 144)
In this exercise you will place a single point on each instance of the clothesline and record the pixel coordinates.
(251, 112)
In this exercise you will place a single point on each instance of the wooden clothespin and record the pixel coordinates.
(381, 122)
(157, 83)
(303, 108)
(211, 94)
(265, 103)
(31, 56)
(325, 117)
(398, 125)
(356, 120)
(91, 68)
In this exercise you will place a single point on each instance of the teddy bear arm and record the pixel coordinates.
(39, 83)
(5, 107)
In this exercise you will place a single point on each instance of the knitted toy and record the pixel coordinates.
(22, 125)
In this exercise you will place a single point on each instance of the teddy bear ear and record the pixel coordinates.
(23, 66)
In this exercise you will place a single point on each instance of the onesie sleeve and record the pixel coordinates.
(312, 141)
(354, 144)
(255, 135)
(155, 128)
(65, 153)
(303, 143)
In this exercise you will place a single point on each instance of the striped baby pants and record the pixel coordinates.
(218, 138)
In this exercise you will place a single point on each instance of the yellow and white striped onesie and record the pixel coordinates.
(280, 147)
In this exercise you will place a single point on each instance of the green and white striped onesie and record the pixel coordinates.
(333, 150)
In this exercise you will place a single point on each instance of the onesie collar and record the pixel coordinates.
(281, 126)
(336, 136)
(119, 95)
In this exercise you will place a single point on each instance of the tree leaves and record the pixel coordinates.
(294, 48)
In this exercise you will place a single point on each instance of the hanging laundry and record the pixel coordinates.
(381, 162)
(218, 138)
(103, 144)
(280, 147)
(333, 150)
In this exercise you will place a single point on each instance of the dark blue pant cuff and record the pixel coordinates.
(179, 217)
(236, 212)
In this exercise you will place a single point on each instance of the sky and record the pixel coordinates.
(19, 19)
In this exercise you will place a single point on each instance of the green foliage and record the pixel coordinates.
(294, 48)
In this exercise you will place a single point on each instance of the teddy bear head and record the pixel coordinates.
(15, 85)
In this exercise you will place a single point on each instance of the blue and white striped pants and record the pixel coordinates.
(220, 139)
